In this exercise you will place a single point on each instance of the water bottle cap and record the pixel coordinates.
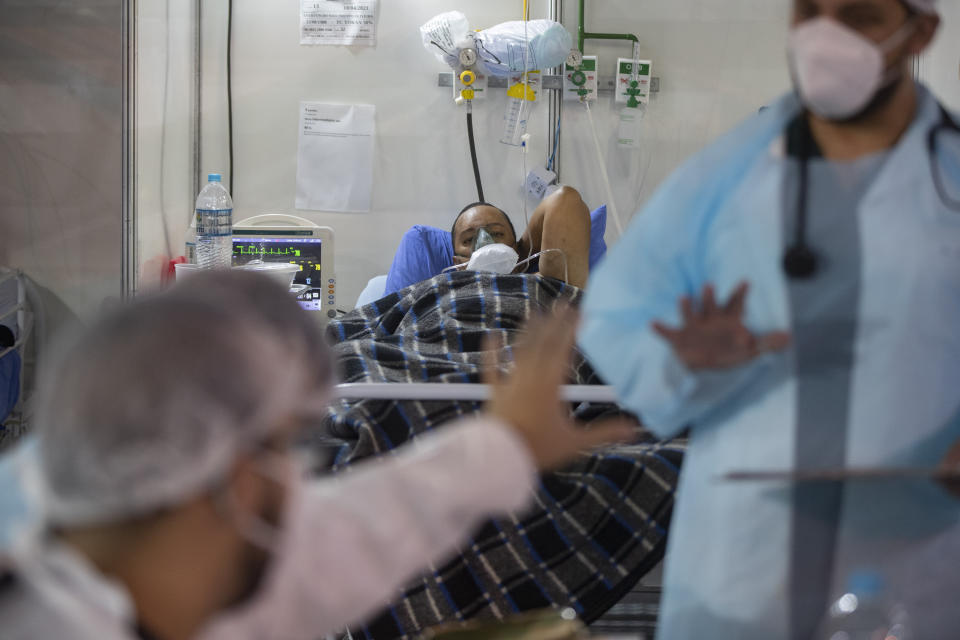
(865, 583)
(213, 177)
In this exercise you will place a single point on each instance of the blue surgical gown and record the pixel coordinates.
(719, 219)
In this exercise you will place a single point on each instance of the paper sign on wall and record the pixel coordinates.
(338, 22)
(335, 157)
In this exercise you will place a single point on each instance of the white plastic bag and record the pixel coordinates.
(501, 48)
(443, 35)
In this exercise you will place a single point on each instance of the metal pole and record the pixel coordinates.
(610, 36)
(128, 241)
(583, 34)
(555, 99)
(197, 96)
(580, 25)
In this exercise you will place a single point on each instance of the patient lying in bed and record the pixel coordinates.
(596, 527)
(561, 221)
(558, 223)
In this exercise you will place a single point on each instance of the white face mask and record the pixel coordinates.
(265, 535)
(836, 70)
(496, 258)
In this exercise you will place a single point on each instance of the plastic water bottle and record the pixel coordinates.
(864, 613)
(214, 225)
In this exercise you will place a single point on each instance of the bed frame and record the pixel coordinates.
(457, 391)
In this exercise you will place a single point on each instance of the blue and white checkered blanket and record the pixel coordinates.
(597, 526)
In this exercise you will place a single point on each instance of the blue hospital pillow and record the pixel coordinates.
(598, 227)
(426, 251)
(423, 253)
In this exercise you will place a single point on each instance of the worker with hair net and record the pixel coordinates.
(169, 502)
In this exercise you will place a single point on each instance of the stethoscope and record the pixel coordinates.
(800, 261)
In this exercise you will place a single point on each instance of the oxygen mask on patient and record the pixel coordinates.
(495, 257)
(490, 255)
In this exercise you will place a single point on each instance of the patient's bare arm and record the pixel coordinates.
(561, 221)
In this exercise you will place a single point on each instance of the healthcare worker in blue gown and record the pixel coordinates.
(792, 294)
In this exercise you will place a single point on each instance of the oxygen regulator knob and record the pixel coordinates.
(468, 57)
(468, 77)
(579, 78)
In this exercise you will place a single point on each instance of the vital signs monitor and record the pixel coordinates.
(311, 248)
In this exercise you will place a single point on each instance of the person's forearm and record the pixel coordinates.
(563, 203)
(532, 238)
(378, 525)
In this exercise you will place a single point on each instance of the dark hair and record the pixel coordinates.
(453, 229)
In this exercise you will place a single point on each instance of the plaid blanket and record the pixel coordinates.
(596, 527)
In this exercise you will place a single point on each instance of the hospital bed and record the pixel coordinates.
(408, 353)
(410, 362)
(459, 392)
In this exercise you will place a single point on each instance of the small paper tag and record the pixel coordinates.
(538, 180)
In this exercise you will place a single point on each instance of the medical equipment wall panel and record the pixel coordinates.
(61, 150)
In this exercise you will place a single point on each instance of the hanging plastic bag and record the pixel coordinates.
(443, 35)
(502, 48)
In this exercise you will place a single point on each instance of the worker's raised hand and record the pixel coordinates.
(713, 336)
(529, 399)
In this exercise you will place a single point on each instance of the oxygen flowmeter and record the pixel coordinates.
(469, 83)
(580, 77)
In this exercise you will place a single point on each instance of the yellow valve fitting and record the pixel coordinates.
(467, 94)
(468, 77)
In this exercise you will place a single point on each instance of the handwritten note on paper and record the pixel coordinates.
(338, 22)
(335, 157)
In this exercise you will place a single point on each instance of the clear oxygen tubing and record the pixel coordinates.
(473, 152)
(611, 204)
(566, 268)
(642, 182)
